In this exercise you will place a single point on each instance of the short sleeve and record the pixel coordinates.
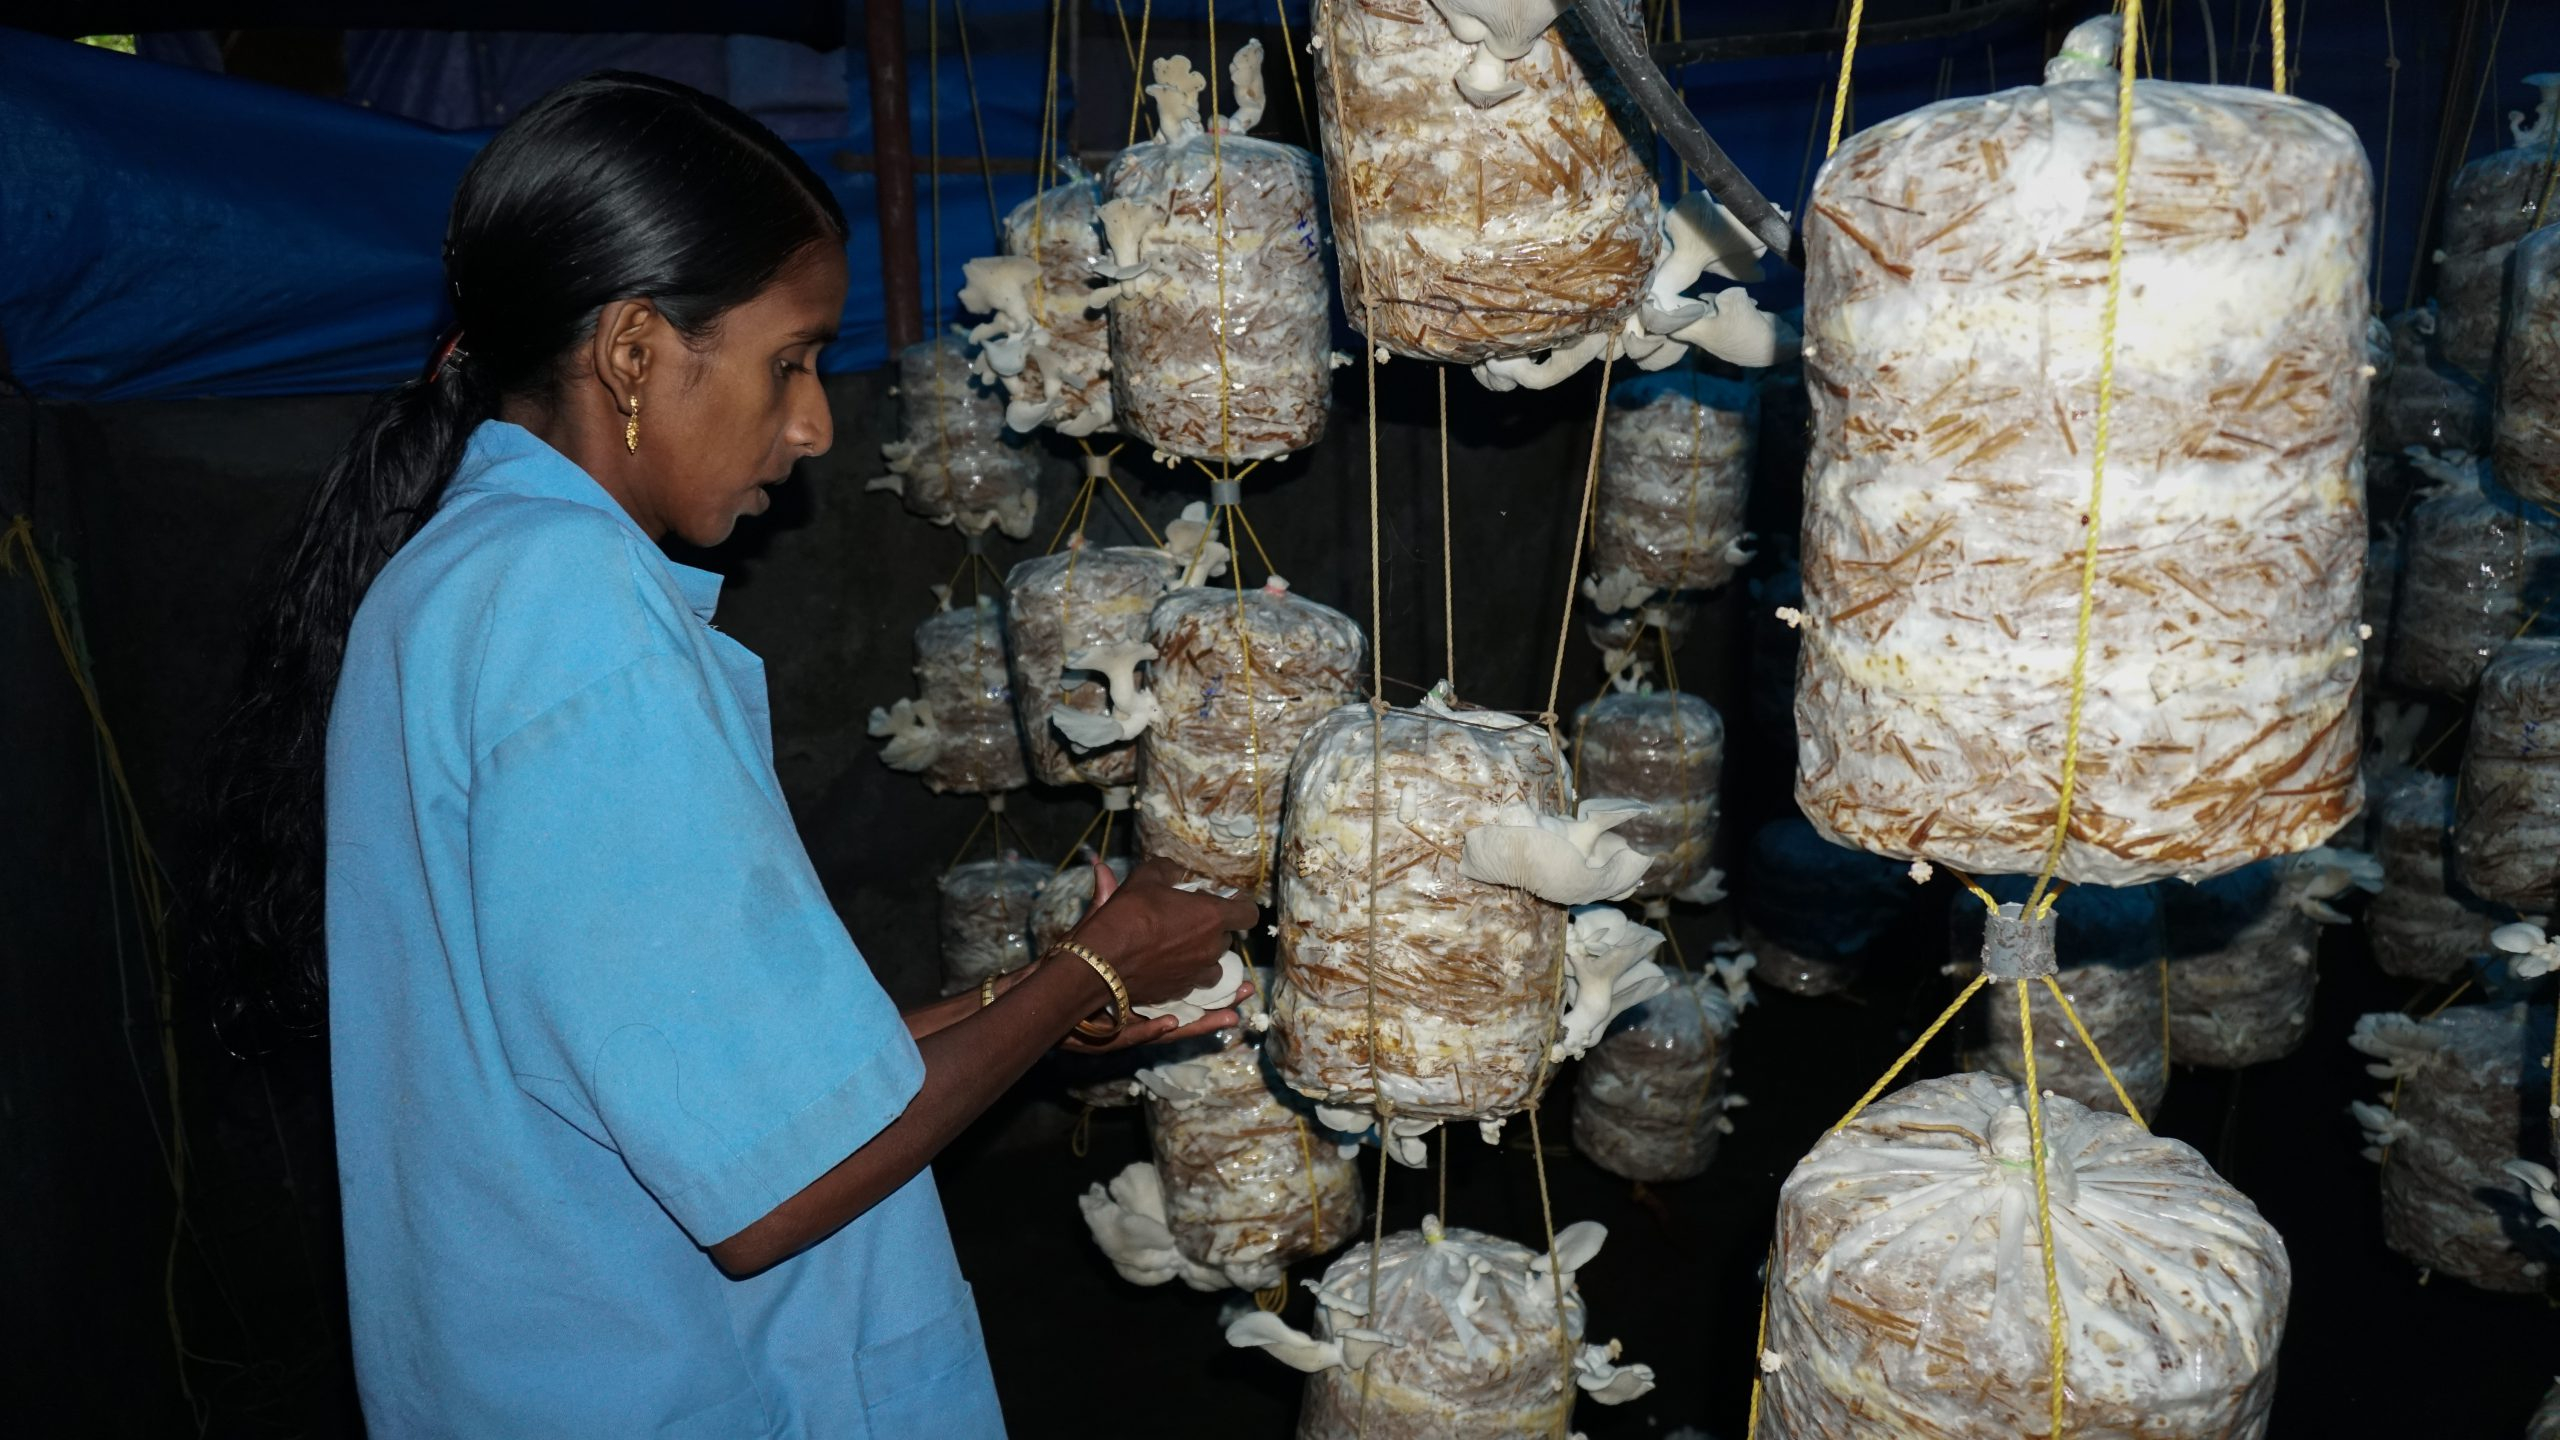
(662, 967)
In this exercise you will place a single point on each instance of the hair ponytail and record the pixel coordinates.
(613, 187)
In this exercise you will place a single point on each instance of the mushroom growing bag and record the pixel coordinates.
(2526, 429)
(1056, 608)
(1812, 910)
(2479, 566)
(1649, 1102)
(1048, 344)
(1957, 261)
(1907, 1294)
(986, 919)
(1419, 973)
(955, 461)
(2492, 203)
(2243, 955)
(1465, 1341)
(1665, 750)
(959, 732)
(1675, 471)
(2506, 824)
(1479, 227)
(1212, 234)
(1239, 678)
(1243, 1183)
(2468, 1081)
(2423, 925)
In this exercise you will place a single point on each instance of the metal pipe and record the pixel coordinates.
(893, 169)
(1625, 51)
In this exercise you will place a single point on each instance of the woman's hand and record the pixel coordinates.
(1163, 1030)
(1164, 942)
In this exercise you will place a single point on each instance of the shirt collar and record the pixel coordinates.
(508, 459)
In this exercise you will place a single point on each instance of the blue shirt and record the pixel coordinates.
(590, 1011)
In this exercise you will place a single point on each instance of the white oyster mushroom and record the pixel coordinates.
(1128, 1223)
(2538, 1183)
(1126, 224)
(2536, 954)
(1609, 969)
(914, 740)
(2382, 1129)
(1015, 512)
(1736, 330)
(1176, 92)
(1218, 994)
(1564, 861)
(1707, 889)
(999, 286)
(1502, 31)
(1702, 237)
(1576, 1245)
(1541, 372)
(1617, 590)
(1596, 1370)
(2450, 469)
(1402, 1139)
(2315, 877)
(1189, 541)
(1132, 709)
(2403, 1045)
(1733, 971)
(1291, 1346)
(1244, 74)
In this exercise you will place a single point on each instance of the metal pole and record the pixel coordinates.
(893, 172)
(1625, 51)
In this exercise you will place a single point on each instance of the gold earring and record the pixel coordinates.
(631, 427)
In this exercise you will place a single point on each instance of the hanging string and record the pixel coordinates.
(1448, 553)
(2044, 1194)
(1848, 58)
(2097, 458)
(1289, 48)
(2275, 41)
(978, 120)
(933, 132)
(1218, 199)
(1050, 134)
(1138, 75)
(2390, 127)
(1581, 527)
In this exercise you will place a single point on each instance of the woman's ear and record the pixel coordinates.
(628, 335)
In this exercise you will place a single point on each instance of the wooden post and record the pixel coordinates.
(893, 173)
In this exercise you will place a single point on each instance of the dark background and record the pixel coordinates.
(155, 516)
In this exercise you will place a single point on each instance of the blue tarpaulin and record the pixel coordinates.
(167, 231)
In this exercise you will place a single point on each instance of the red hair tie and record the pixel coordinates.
(447, 350)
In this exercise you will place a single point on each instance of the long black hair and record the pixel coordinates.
(618, 186)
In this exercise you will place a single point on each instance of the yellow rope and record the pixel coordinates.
(2044, 1195)
(933, 133)
(1132, 507)
(2091, 1046)
(1555, 1268)
(978, 120)
(1080, 1139)
(1760, 1338)
(1070, 857)
(1289, 48)
(2097, 458)
(1448, 553)
(1237, 512)
(1315, 1195)
(1252, 718)
(1581, 528)
(1049, 135)
(1138, 71)
(968, 840)
(2275, 27)
(1848, 58)
(1977, 891)
(2390, 128)
(1218, 188)
(1913, 1053)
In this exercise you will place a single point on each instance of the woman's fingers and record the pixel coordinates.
(1104, 882)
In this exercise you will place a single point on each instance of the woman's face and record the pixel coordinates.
(730, 416)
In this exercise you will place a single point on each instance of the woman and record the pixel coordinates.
(629, 1139)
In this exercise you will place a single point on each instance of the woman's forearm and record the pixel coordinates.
(970, 1058)
(936, 1015)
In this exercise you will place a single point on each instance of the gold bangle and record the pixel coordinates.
(987, 991)
(1088, 1028)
